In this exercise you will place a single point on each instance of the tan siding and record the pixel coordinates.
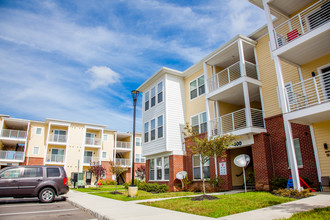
(35, 140)
(312, 66)
(322, 135)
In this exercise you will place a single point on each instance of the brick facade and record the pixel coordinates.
(33, 161)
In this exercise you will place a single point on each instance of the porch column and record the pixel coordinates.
(245, 85)
(207, 100)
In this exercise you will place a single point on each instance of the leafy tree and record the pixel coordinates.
(206, 147)
(116, 169)
(97, 170)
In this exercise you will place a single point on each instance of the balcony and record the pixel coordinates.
(13, 156)
(93, 141)
(305, 36)
(91, 160)
(13, 134)
(54, 159)
(121, 145)
(58, 138)
(236, 123)
(309, 100)
(231, 74)
(123, 162)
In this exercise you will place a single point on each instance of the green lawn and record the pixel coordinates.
(100, 188)
(225, 205)
(321, 213)
(142, 195)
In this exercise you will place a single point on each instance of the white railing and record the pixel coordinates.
(230, 74)
(8, 133)
(235, 121)
(60, 138)
(123, 162)
(124, 145)
(302, 23)
(92, 141)
(54, 158)
(11, 155)
(90, 160)
(310, 92)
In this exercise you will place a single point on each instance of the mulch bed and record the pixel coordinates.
(204, 197)
(116, 192)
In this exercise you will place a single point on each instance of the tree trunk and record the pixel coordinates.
(116, 185)
(203, 178)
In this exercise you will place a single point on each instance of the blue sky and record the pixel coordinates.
(79, 60)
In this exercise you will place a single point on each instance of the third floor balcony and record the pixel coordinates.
(93, 141)
(122, 145)
(58, 138)
(13, 134)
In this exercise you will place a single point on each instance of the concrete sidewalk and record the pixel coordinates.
(104, 208)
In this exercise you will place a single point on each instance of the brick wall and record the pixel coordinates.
(34, 161)
(275, 128)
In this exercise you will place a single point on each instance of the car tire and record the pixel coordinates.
(47, 195)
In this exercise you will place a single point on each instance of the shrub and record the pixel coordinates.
(278, 183)
(198, 187)
(126, 185)
(293, 193)
(163, 188)
(153, 187)
(110, 182)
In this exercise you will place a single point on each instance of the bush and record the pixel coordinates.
(153, 187)
(110, 182)
(278, 183)
(198, 187)
(293, 193)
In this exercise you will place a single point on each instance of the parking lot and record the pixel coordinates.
(31, 208)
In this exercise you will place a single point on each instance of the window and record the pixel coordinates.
(146, 101)
(152, 170)
(59, 136)
(104, 155)
(10, 174)
(53, 172)
(146, 132)
(38, 131)
(137, 158)
(138, 142)
(143, 159)
(32, 172)
(199, 123)
(88, 156)
(153, 130)
(197, 87)
(159, 168)
(105, 137)
(160, 92)
(197, 164)
(90, 138)
(153, 97)
(166, 168)
(160, 126)
(35, 151)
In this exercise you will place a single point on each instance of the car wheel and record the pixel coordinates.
(47, 195)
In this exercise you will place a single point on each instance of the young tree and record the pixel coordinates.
(206, 148)
(117, 170)
(97, 170)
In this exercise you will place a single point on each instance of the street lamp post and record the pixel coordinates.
(135, 94)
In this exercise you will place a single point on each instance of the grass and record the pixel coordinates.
(319, 213)
(100, 188)
(225, 205)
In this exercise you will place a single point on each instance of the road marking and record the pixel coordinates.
(24, 213)
(17, 205)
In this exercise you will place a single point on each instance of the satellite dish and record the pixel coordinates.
(181, 175)
(242, 160)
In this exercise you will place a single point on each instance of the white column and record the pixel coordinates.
(269, 24)
(317, 161)
(207, 101)
(245, 85)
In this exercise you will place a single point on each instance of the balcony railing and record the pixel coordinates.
(230, 74)
(302, 23)
(310, 92)
(235, 121)
(54, 158)
(59, 138)
(11, 155)
(124, 145)
(123, 162)
(92, 141)
(90, 160)
(8, 133)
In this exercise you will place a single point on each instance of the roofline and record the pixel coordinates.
(163, 70)
(58, 120)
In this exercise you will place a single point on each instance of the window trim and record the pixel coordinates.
(105, 137)
(199, 122)
(104, 157)
(37, 130)
(162, 169)
(155, 128)
(200, 165)
(138, 142)
(159, 127)
(158, 92)
(198, 95)
(145, 101)
(34, 148)
(151, 97)
(145, 132)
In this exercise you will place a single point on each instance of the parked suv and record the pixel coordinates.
(44, 182)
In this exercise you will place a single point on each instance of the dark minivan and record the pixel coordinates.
(44, 182)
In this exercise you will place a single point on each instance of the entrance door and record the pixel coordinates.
(88, 178)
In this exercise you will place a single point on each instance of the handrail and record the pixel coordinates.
(10, 133)
(11, 155)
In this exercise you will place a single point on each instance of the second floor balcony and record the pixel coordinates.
(123, 162)
(236, 122)
(309, 100)
(55, 158)
(14, 156)
(58, 138)
(13, 134)
(91, 160)
(93, 141)
(122, 145)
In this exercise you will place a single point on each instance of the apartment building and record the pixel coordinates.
(75, 146)
(271, 88)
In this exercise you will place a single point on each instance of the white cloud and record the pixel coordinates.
(102, 76)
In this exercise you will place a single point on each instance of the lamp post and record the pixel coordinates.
(135, 94)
